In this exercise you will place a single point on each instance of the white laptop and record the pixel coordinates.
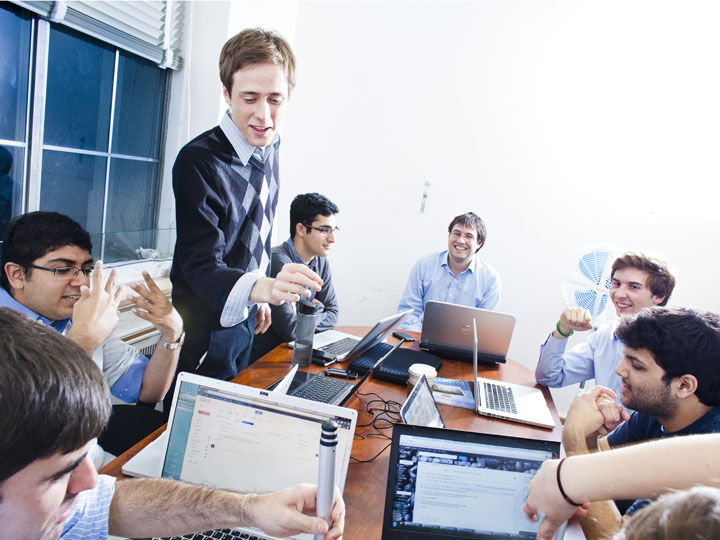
(246, 439)
(507, 400)
(348, 347)
(446, 332)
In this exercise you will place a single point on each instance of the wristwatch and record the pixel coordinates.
(173, 346)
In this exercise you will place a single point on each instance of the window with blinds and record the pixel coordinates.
(82, 127)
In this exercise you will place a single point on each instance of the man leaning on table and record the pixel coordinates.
(637, 281)
(670, 377)
(55, 401)
(456, 275)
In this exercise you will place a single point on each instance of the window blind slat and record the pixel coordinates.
(138, 27)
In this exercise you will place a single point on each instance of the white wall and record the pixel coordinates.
(563, 124)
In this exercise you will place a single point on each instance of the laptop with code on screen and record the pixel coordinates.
(236, 437)
(445, 484)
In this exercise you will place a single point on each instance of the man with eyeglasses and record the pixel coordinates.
(456, 275)
(313, 225)
(48, 275)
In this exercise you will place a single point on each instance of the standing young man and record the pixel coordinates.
(226, 189)
(313, 224)
(456, 275)
(638, 281)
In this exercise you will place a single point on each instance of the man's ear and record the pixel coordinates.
(15, 274)
(657, 300)
(226, 95)
(300, 230)
(685, 385)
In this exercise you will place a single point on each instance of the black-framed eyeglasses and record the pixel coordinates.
(65, 272)
(324, 230)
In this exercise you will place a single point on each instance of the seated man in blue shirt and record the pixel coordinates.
(670, 377)
(313, 225)
(637, 281)
(47, 270)
(456, 275)
(54, 402)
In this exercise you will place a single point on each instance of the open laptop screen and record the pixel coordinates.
(456, 484)
(248, 442)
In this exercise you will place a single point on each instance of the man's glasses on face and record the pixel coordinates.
(65, 272)
(324, 230)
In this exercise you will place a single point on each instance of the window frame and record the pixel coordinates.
(34, 145)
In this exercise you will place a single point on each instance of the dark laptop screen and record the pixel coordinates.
(455, 484)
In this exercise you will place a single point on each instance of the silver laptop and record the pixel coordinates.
(447, 332)
(348, 347)
(246, 439)
(507, 400)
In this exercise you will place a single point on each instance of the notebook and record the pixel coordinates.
(348, 347)
(446, 331)
(445, 484)
(507, 400)
(246, 439)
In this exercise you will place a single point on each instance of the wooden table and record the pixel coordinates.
(366, 482)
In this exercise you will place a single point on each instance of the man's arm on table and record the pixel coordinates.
(160, 507)
(413, 300)
(593, 414)
(643, 470)
(492, 293)
(558, 367)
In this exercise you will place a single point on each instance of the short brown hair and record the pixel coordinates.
(660, 280)
(256, 46)
(53, 397)
(471, 219)
(684, 514)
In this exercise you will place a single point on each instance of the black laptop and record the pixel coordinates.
(445, 484)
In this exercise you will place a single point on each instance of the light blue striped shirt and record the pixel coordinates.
(89, 517)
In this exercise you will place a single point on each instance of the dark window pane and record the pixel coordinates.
(130, 217)
(79, 91)
(11, 170)
(74, 184)
(14, 70)
(139, 107)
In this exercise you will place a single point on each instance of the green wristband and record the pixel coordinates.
(557, 327)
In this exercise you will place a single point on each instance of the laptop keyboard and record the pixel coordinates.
(220, 534)
(321, 389)
(499, 398)
(340, 347)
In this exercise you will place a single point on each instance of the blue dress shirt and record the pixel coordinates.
(431, 279)
(597, 358)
